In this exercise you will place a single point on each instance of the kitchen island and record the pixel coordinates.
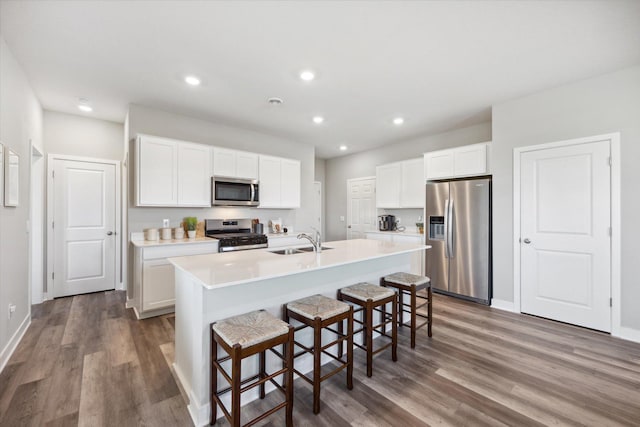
(215, 286)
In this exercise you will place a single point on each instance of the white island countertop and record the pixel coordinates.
(234, 268)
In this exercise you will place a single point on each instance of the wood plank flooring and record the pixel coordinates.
(86, 360)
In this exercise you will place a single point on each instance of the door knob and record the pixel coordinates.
(348, 226)
(527, 241)
(109, 233)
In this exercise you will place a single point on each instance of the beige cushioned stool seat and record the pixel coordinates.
(318, 306)
(365, 291)
(250, 328)
(407, 279)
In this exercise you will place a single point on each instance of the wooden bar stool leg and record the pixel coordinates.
(288, 353)
(317, 344)
(394, 330)
(400, 303)
(413, 316)
(369, 334)
(263, 370)
(429, 310)
(213, 382)
(350, 350)
(236, 375)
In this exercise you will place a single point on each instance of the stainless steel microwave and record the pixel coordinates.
(227, 191)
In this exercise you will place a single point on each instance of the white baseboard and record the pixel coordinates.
(11, 346)
(199, 414)
(628, 334)
(503, 305)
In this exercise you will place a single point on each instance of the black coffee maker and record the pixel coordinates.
(387, 223)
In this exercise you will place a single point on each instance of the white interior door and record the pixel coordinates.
(84, 227)
(565, 234)
(361, 207)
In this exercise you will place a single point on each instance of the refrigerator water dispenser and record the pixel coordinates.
(436, 227)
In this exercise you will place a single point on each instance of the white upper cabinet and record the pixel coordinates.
(468, 160)
(194, 182)
(157, 171)
(234, 163)
(412, 193)
(279, 182)
(400, 184)
(171, 173)
(388, 183)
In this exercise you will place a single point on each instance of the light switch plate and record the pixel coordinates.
(165, 223)
(341, 218)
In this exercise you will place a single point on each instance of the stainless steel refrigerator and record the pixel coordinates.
(458, 222)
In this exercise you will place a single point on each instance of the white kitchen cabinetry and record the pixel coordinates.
(234, 163)
(417, 258)
(171, 173)
(468, 160)
(279, 182)
(194, 182)
(154, 285)
(400, 184)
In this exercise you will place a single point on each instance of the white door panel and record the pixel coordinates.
(84, 215)
(565, 220)
(361, 207)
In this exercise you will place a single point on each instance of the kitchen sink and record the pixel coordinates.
(310, 248)
(291, 251)
(287, 251)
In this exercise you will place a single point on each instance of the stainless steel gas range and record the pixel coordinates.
(234, 234)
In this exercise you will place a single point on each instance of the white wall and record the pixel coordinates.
(20, 123)
(358, 165)
(161, 123)
(76, 135)
(320, 176)
(605, 104)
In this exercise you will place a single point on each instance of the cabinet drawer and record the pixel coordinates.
(168, 251)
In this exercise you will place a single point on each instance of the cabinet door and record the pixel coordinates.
(157, 171)
(413, 190)
(470, 160)
(290, 183)
(194, 183)
(224, 162)
(270, 182)
(388, 185)
(246, 165)
(438, 164)
(157, 284)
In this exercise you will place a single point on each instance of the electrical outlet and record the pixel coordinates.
(12, 309)
(165, 223)
(398, 219)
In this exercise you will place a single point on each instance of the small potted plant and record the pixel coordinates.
(420, 226)
(191, 222)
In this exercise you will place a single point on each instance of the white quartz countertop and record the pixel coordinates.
(160, 242)
(234, 268)
(401, 233)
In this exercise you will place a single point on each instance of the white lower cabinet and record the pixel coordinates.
(417, 258)
(154, 276)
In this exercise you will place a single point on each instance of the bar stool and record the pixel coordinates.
(243, 336)
(320, 312)
(411, 284)
(372, 298)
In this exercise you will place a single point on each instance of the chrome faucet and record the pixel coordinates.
(317, 242)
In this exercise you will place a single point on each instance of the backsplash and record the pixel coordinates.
(408, 217)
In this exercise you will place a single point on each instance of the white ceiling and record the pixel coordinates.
(440, 65)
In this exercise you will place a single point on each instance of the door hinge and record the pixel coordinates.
(610, 232)
(53, 276)
(53, 174)
(610, 161)
(610, 302)
(53, 224)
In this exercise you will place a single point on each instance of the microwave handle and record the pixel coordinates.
(253, 192)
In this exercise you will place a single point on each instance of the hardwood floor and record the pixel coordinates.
(85, 360)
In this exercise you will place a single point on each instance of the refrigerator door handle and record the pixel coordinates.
(446, 228)
(449, 236)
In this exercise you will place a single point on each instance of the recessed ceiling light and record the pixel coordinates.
(85, 108)
(318, 119)
(307, 75)
(343, 148)
(398, 121)
(192, 80)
